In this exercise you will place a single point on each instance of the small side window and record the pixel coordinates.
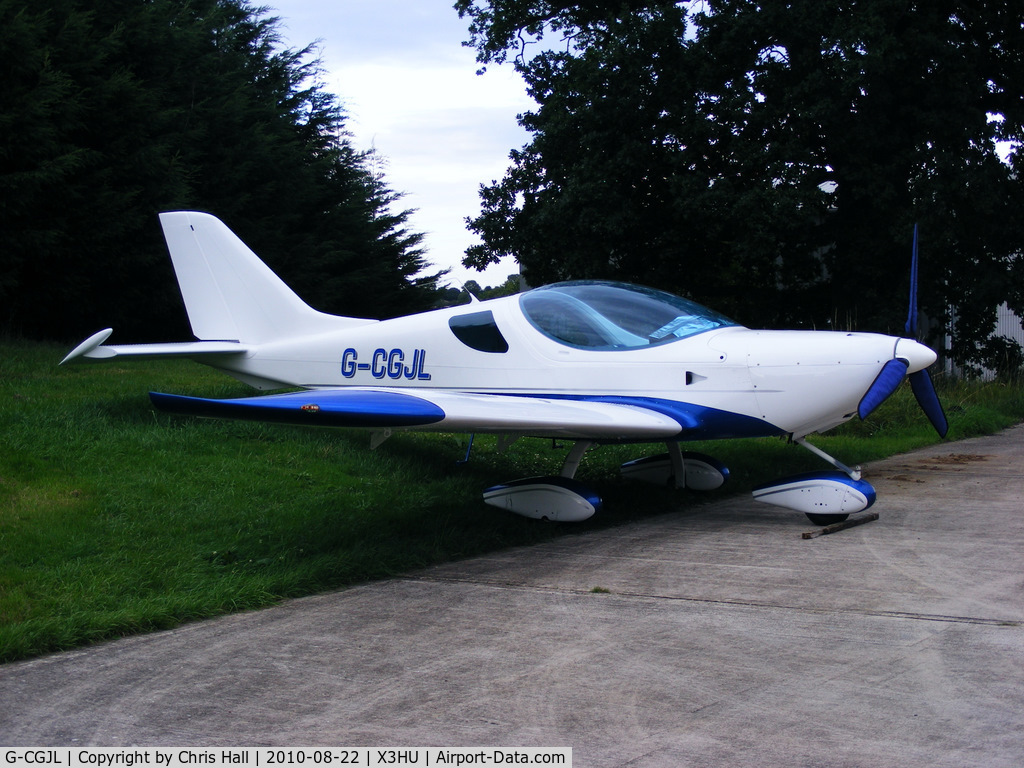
(479, 331)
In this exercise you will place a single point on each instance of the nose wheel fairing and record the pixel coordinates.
(826, 495)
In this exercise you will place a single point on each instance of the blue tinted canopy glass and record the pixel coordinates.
(605, 315)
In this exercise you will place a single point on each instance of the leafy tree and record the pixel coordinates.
(511, 286)
(450, 297)
(113, 110)
(768, 158)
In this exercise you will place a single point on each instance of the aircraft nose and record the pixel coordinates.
(918, 355)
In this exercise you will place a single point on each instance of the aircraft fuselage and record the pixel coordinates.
(794, 382)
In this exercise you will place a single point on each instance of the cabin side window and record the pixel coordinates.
(478, 331)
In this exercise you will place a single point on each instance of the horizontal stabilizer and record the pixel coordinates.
(88, 347)
(93, 349)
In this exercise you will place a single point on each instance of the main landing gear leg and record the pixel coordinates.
(675, 455)
(678, 469)
(572, 461)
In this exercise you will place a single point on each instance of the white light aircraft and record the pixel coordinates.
(594, 362)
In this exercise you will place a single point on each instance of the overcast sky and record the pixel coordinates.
(411, 91)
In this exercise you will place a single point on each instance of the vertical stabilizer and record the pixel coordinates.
(229, 293)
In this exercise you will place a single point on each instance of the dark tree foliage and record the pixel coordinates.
(451, 297)
(114, 110)
(768, 158)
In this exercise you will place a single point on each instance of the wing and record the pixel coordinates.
(440, 411)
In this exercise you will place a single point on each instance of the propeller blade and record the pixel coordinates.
(920, 381)
(924, 391)
(885, 383)
(911, 326)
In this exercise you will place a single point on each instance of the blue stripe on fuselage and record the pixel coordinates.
(696, 422)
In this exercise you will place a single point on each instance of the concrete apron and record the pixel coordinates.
(716, 636)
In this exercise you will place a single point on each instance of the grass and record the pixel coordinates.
(116, 519)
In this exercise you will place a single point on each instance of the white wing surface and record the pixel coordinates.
(438, 411)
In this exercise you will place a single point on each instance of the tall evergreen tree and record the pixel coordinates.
(113, 110)
(769, 158)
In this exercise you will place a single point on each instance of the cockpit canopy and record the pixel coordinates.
(604, 315)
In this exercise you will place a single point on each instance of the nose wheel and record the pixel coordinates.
(826, 520)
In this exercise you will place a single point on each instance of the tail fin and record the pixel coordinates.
(231, 295)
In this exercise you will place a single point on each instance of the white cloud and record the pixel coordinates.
(411, 92)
